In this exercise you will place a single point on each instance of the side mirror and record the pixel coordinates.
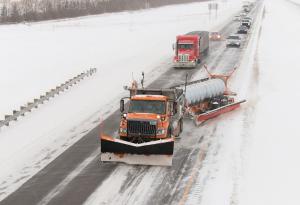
(122, 106)
(173, 46)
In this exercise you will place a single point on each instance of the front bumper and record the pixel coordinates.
(242, 32)
(184, 64)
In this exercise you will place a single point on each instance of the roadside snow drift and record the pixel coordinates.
(271, 168)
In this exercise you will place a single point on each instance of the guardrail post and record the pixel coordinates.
(29, 106)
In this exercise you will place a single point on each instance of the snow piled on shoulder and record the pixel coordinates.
(271, 171)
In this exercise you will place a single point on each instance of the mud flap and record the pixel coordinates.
(199, 119)
(158, 152)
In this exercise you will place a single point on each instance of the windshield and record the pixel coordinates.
(149, 106)
(185, 46)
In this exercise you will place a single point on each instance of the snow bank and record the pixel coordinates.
(272, 169)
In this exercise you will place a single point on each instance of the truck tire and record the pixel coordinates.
(181, 126)
(169, 132)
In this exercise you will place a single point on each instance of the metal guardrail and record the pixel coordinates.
(46, 97)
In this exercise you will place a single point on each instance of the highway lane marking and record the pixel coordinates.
(62, 185)
(191, 180)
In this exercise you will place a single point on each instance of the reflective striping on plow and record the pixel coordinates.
(156, 160)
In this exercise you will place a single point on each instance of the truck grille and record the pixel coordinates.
(183, 58)
(141, 128)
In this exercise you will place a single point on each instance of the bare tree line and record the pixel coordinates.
(39, 10)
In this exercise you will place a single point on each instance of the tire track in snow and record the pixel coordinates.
(249, 115)
(56, 190)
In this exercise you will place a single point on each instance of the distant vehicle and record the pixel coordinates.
(246, 23)
(246, 8)
(190, 49)
(215, 36)
(242, 30)
(233, 41)
(248, 18)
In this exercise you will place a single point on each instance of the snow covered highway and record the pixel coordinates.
(76, 176)
(244, 157)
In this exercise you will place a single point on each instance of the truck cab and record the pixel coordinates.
(187, 49)
(190, 48)
(150, 117)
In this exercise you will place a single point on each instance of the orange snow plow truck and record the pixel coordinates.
(149, 122)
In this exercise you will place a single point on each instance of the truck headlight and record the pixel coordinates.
(160, 131)
(123, 130)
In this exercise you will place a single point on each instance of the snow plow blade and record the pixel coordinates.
(158, 152)
(199, 119)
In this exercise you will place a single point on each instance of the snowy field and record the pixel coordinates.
(39, 56)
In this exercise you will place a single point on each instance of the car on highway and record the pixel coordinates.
(246, 22)
(215, 36)
(233, 41)
(248, 18)
(242, 30)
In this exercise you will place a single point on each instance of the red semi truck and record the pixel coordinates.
(190, 49)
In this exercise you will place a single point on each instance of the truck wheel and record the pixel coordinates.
(169, 132)
(180, 127)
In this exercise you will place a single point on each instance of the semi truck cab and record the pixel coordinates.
(186, 51)
(190, 48)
